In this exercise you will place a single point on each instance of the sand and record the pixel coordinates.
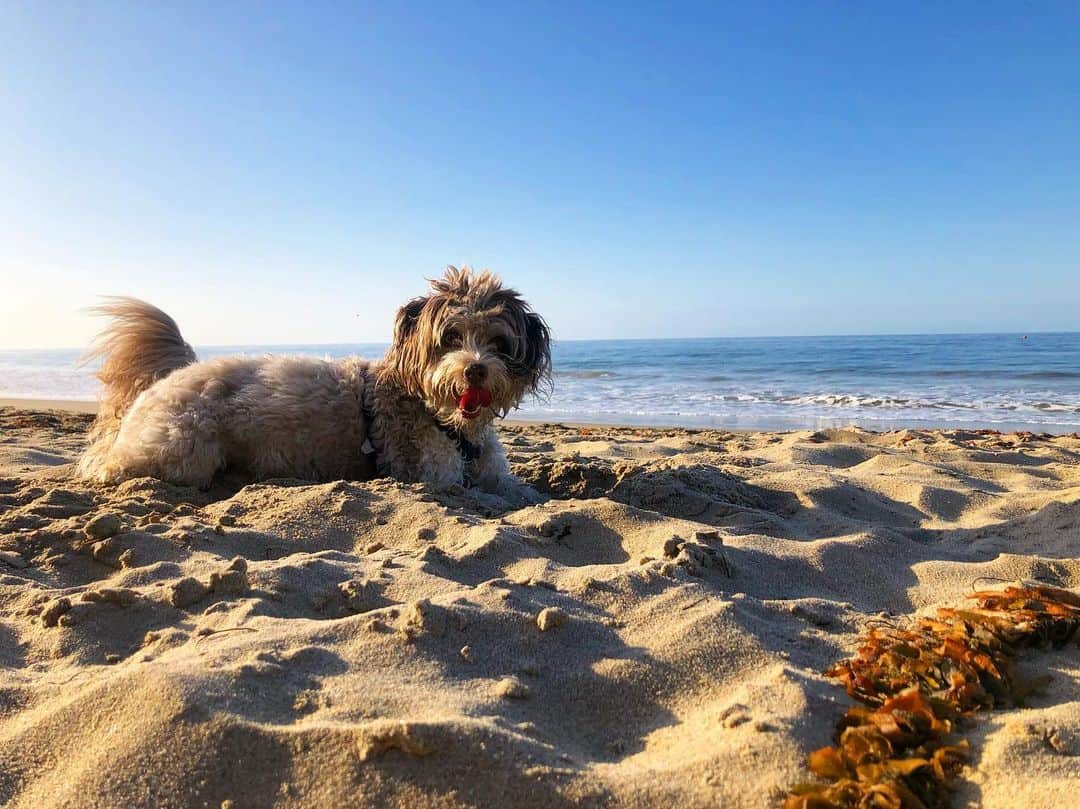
(651, 636)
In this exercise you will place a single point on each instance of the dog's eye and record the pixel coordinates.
(451, 339)
(502, 346)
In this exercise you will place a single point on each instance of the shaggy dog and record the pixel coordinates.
(465, 353)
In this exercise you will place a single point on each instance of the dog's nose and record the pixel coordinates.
(476, 373)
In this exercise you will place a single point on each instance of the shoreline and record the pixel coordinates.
(83, 406)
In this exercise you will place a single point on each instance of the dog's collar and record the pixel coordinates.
(469, 450)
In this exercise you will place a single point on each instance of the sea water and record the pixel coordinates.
(1003, 381)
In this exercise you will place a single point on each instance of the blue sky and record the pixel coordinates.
(291, 172)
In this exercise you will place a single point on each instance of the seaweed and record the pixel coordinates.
(899, 748)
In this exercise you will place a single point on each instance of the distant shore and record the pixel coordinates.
(66, 405)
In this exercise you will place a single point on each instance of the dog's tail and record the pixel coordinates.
(141, 345)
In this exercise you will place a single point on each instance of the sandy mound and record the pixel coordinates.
(652, 635)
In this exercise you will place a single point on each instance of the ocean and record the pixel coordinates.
(1002, 381)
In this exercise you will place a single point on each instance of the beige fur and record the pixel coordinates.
(165, 415)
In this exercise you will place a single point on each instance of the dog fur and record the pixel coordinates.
(166, 415)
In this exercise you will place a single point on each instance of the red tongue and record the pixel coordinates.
(472, 400)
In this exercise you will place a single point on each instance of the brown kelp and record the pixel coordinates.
(899, 748)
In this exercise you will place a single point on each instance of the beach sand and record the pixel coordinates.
(651, 636)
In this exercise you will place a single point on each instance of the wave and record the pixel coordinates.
(878, 401)
(777, 419)
(1049, 375)
(659, 402)
(933, 373)
(595, 374)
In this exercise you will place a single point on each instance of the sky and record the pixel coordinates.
(291, 173)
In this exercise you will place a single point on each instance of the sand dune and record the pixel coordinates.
(651, 635)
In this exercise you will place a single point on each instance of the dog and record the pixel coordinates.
(464, 354)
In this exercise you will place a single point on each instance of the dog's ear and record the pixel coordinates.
(537, 356)
(407, 317)
(404, 359)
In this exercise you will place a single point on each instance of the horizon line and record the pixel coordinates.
(619, 339)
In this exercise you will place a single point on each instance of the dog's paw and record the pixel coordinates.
(518, 494)
(492, 501)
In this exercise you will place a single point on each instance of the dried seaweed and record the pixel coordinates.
(898, 749)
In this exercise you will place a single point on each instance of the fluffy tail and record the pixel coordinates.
(141, 345)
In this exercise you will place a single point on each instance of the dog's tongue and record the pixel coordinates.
(472, 400)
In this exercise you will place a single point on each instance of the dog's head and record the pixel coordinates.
(471, 349)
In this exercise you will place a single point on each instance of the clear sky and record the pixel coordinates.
(292, 172)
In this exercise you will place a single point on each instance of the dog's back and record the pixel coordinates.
(168, 416)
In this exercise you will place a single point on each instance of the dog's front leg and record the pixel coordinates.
(493, 475)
